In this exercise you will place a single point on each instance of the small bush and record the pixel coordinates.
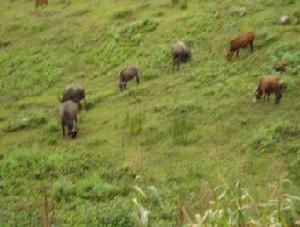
(268, 137)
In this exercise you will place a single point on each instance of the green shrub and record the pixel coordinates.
(267, 137)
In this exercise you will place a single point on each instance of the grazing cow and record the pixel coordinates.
(75, 93)
(280, 66)
(181, 53)
(242, 41)
(68, 117)
(127, 74)
(267, 85)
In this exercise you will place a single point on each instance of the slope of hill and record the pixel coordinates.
(180, 132)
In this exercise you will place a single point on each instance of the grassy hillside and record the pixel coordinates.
(185, 133)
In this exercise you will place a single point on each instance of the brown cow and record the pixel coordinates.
(267, 85)
(68, 117)
(242, 41)
(127, 74)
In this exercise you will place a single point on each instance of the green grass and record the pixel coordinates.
(175, 131)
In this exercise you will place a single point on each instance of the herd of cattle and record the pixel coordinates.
(73, 94)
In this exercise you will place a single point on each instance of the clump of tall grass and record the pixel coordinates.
(266, 138)
(147, 24)
(143, 202)
(237, 207)
(226, 206)
(180, 130)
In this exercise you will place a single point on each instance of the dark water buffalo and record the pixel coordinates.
(75, 93)
(127, 74)
(267, 85)
(68, 117)
(181, 53)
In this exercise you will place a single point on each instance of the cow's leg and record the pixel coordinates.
(63, 129)
(278, 96)
(264, 94)
(237, 52)
(85, 104)
(268, 92)
(251, 46)
(174, 63)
